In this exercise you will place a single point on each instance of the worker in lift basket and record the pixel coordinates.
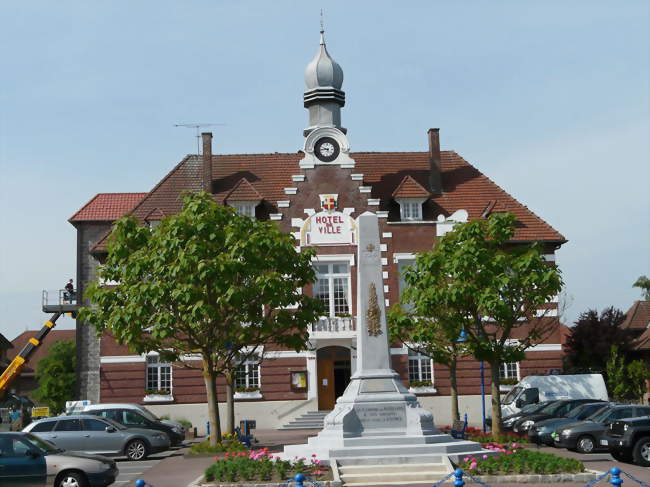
(69, 294)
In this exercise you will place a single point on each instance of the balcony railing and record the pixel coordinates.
(334, 325)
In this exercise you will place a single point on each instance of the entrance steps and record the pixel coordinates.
(392, 470)
(311, 420)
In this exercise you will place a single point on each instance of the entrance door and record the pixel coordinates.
(334, 370)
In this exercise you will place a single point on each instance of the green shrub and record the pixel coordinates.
(187, 424)
(520, 461)
(229, 443)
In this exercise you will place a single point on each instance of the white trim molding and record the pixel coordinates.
(334, 258)
(403, 256)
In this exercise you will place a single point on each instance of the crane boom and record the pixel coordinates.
(16, 365)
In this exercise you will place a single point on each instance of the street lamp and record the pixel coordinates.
(462, 338)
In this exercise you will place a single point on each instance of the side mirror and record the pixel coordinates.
(519, 403)
(110, 429)
(33, 453)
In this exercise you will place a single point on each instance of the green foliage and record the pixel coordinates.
(475, 280)
(56, 376)
(589, 343)
(187, 424)
(229, 443)
(644, 283)
(625, 380)
(205, 281)
(521, 461)
(260, 465)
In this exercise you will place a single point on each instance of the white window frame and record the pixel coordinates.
(505, 370)
(251, 363)
(158, 365)
(410, 209)
(244, 208)
(331, 276)
(412, 355)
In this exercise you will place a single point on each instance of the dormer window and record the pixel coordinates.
(410, 209)
(244, 208)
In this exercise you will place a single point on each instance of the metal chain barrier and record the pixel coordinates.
(632, 477)
(300, 480)
(597, 479)
(439, 483)
(477, 481)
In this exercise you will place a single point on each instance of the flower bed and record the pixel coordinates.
(260, 465)
(515, 460)
(475, 434)
(229, 443)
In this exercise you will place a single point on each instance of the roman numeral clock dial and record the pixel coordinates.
(327, 149)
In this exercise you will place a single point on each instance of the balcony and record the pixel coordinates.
(59, 301)
(334, 327)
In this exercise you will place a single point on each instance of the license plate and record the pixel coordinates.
(603, 442)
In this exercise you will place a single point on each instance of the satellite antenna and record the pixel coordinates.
(197, 127)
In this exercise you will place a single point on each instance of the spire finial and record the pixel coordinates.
(322, 29)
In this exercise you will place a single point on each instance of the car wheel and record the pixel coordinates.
(585, 444)
(641, 452)
(136, 450)
(621, 456)
(71, 479)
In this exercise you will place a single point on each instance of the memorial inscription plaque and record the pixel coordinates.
(381, 415)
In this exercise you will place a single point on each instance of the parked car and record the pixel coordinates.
(629, 440)
(584, 436)
(136, 416)
(508, 421)
(536, 388)
(100, 436)
(542, 431)
(26, 460)
(556, 409)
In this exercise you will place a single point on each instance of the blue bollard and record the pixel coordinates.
(615, 476)
(299, 478)
(207, 428)
(140, 483)
(459, 482)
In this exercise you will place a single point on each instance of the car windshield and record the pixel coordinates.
(552, 407)
(44, 446)
(148, 414)
(584, 411)
(600, 415)
(514, 392)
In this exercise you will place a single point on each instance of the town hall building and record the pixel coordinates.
(315, 194)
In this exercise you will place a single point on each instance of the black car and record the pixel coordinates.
(542, 431)
(508, 421)
(556, 409)
(629, 440)
(585, 436)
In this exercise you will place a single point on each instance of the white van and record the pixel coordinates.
(539, 388)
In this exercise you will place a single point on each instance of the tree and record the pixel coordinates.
(644, 283)
(626, 381)
(428, 331)
(591, 338)
(487, 288)
(205, 282)
(56, 376)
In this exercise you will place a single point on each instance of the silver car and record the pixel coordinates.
(102, 436)
(28, 461)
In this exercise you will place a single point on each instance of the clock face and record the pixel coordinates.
(327, 149)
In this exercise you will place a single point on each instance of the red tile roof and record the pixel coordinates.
(107, 207)
(643, 342)
(41, 351)
(410, 188)
(464, 186)
(243, 191)
(638, 316)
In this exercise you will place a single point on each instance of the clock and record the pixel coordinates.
(327, 149)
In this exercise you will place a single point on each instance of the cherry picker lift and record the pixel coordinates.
(65, 304)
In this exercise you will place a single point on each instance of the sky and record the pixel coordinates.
(551, 100)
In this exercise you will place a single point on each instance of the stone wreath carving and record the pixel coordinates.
(373, 315)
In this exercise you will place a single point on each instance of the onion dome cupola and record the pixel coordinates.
(325, 139)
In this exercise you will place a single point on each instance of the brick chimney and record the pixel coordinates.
(435, 178)
(207, 161)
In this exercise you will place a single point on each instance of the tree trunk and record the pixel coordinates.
(230, 405)
(496, 399)
(455, 414)
(213, 405)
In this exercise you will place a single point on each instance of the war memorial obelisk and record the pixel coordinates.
(377, 417)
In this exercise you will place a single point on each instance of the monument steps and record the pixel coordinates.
(398, 440)
(457, 446)
(390, 468)
(397, 470)
(396, 459)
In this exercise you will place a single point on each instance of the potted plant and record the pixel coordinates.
(421, 387)
(507, 384)
(158, 395)
(250, 392)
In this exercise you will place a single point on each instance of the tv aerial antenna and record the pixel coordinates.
(198, 127)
